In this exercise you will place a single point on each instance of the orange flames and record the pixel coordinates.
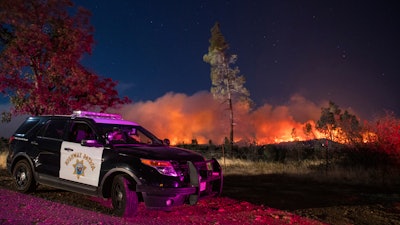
(183, 118)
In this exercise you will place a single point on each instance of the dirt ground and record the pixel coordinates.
(330, 203)
(266, 194)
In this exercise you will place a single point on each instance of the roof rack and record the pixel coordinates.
(89, 114)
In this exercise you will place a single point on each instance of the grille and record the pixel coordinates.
(182, 169)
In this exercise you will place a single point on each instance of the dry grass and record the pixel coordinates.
(3, 158)
(315, 170)
(247, 167)
(364, 176)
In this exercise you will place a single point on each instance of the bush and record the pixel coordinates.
(3, 158)
(386, 136)
(3, 152)
(3, 144)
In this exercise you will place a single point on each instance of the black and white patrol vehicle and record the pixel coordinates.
(104, 155)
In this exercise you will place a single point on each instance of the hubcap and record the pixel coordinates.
(120, 196)
(22, 176)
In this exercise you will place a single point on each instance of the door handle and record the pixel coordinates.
(68, 149)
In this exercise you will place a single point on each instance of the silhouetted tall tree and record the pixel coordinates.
(41, 44)
(227, 84)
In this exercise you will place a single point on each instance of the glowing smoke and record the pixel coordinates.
(182, 118)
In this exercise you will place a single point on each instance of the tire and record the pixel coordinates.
(124, 200)
(23, 177)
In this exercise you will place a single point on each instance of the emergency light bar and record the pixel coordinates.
(97, 115)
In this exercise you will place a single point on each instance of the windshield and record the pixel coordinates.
(127, 134)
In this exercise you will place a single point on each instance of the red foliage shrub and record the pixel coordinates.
(387, 135)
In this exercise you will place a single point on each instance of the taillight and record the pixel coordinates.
(11, 139)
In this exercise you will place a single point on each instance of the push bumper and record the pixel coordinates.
(203, 183)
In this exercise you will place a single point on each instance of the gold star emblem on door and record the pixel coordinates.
(79, 168)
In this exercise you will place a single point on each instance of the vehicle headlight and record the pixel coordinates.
(163, 167)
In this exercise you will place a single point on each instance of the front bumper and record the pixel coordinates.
(203, 183)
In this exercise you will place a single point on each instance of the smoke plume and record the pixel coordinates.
(183, 118)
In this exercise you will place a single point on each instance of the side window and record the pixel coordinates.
(54, 129)
(143, 138)
(80, 131)
(27, 125)
(138, 137)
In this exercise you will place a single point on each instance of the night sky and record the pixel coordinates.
(295, 55)
(344, 51)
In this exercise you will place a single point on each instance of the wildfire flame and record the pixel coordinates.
(183, 118)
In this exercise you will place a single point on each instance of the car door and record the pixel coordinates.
(80, 163)
(47, 144)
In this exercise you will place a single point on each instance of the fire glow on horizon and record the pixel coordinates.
(183, 118)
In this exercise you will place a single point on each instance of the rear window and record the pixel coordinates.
(27, 125)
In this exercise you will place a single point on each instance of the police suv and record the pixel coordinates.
(104, 155)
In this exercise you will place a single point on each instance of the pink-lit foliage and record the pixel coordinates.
(385, 136)
(41, 44)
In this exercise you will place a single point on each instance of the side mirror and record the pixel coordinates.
(90, 143)
(166, 141)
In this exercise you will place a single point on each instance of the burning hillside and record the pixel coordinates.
(183, 118)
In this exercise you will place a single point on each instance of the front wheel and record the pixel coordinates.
(23, 177)
(124, 200)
